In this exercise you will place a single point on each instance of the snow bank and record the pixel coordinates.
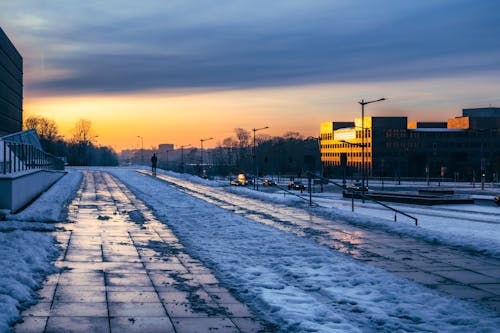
(25, 260)
(50, 206)
(297, 283)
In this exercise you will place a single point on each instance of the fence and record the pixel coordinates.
(15, 157)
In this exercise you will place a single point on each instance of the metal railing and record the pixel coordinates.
(358, 194)
(16, 157)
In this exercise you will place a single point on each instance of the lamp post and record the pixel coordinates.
(142, 149)
(255, 167)
(182, 157)
(201, 151)
(168, 151)
(363, 133)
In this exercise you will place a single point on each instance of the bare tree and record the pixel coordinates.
(45, 128)
(243, 137)
(293, 135)
(82, 132)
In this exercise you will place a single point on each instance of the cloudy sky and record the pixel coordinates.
(176, 71)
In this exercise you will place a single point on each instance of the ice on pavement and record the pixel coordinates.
(297, 283)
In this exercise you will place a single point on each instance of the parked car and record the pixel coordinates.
(296, 185)
(497, 200)
(268, 182)
(356, 187)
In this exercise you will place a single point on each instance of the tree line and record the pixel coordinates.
(290, 154)
(79, 149)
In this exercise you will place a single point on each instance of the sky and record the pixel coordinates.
(179, 71)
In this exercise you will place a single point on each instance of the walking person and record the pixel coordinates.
(154, 162)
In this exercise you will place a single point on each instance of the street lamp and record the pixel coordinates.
(351, 144)
(201, 150)
(168, 151)
(255, 167)
(363, 133)
(142, 149)
(182, 157)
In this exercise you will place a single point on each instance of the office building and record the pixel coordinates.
(463, 148)
(11, 87)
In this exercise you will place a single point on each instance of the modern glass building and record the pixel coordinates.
(11, 87)
(463, 148)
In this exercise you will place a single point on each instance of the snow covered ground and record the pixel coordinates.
(26, 248)
(297, 283)
(472, 227)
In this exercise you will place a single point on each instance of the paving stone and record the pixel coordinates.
(136, 309)
(31, 324)
(204, 325)
(77, 295)
(183, 297)
(77, 325)
(141, 324)
(133, 296)
(65, 309)
(124, 279)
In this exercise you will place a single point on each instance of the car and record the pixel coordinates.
(356, 187)
(497, 200)
(235, 182)
(240, 181)
(268, 182)
(296, 185)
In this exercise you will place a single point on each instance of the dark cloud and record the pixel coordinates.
(241, 44)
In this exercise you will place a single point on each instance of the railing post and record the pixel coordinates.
(10, 158)
(4, 157)
(352, 201)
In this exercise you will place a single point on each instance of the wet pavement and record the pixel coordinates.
(124, 271)
(466, 275)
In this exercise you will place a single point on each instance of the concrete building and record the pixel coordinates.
(466, 148)
(11, 87)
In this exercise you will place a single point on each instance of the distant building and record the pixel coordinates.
(163, 147)
(462, 148)
(11, 87)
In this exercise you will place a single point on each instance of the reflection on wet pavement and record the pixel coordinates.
(123, 271)
(465, 275)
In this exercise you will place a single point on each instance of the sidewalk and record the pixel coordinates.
(123, 271)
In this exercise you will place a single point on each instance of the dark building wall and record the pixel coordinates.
(481, 112)
(11, 87)
(434, 124)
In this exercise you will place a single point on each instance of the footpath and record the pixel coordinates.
(124, 271)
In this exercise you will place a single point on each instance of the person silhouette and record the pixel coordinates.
(154, 162)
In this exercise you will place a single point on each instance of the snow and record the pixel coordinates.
(27, 248)
(25, 260)
(296, 283)
(470, 227)
(49, 207)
